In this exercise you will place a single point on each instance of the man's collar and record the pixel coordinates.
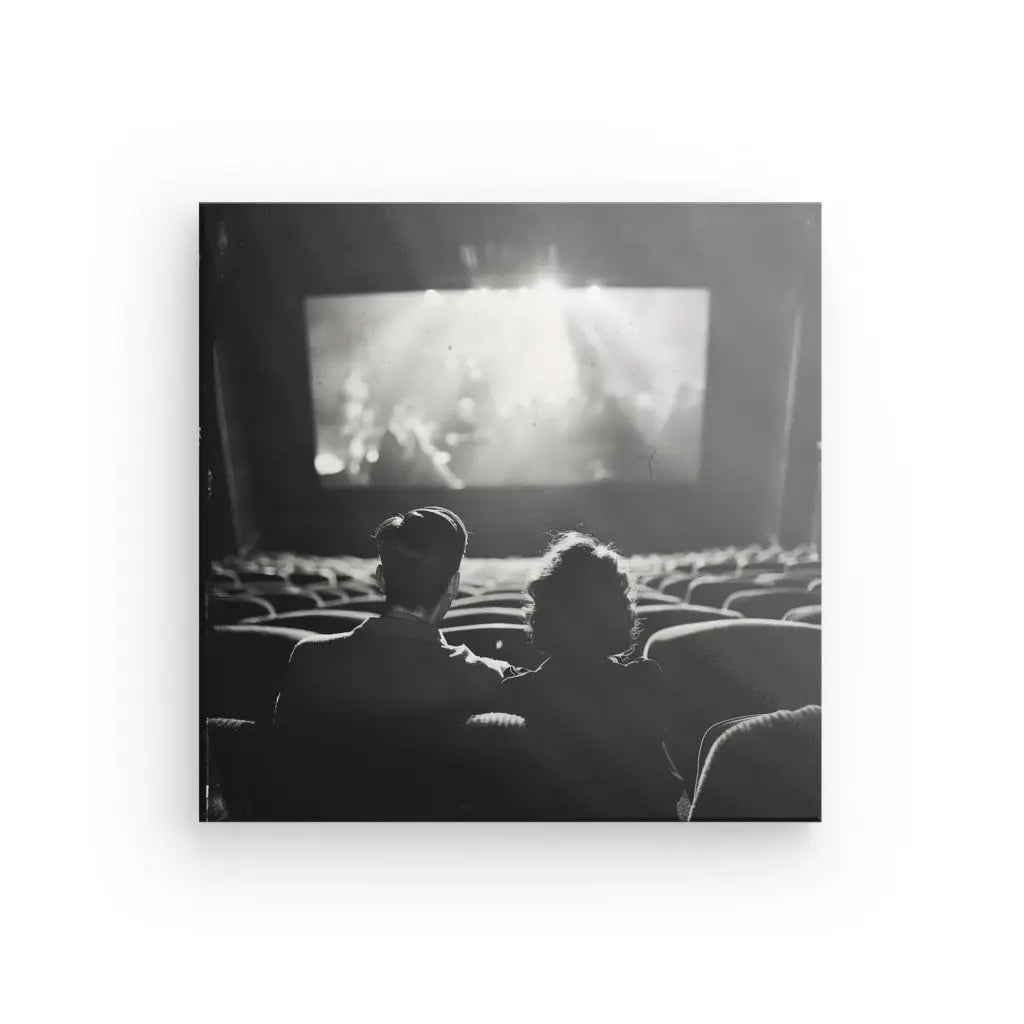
(411, 629)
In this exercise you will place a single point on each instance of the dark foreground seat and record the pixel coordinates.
(262, 574)
(243, 669)
(401, 767)
(647, 595)
(498, 784)
(522, 771)
(763, 768)
(721, 670)
(236, 780)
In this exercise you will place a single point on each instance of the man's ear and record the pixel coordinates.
(453, 585)
(379, 576)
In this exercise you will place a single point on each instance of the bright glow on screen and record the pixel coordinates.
(495, 386)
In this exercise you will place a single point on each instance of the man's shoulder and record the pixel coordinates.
(325, 646)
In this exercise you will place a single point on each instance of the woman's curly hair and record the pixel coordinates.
(581, 600)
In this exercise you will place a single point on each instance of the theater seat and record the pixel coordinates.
(645, 595)
(765, 565)
(505, 642)
(711, 734)
(494, 747)
(319, 620)
(807, 568)
(475, 615)
(495, 599)
(331, 596)
(716, 566)
(312, 578)
(810, 613)
(801, 572)
(290, 600)
(231, 590)
(763, 768)
(660, 616)
(260, 575)
(496, 720)
(772, 603)
(714, 590)
(677, 584)
(224, 611)
(720, 670)
(242, 670)
(236, 770)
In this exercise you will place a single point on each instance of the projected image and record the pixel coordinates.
(537, 386)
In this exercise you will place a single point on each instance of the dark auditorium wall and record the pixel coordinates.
(761, 264)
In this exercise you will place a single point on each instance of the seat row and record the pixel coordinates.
(717, 670)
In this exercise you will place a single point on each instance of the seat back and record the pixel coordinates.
(290, 600)
(312, 578)
(734, 667)
(261, 574)
(809, 613)
(653, 617)
(708, 740)
(474, 615)
(242, 670)
(772, 603)
(235, 770)
(763, 768)
(759, 565)
(225, 610)
(646, 595)
(714, 590)
(507, 642)
(331, 596)
(495, 599)
(363, 604)
(676, 584)
(808, 567)
(500, 784)
(320, 620)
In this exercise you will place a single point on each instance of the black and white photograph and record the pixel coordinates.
(510, 512)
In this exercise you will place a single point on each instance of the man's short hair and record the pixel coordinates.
(420, 551)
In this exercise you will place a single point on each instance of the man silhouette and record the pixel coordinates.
(368, 724)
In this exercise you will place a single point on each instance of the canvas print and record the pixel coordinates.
(510, 512)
